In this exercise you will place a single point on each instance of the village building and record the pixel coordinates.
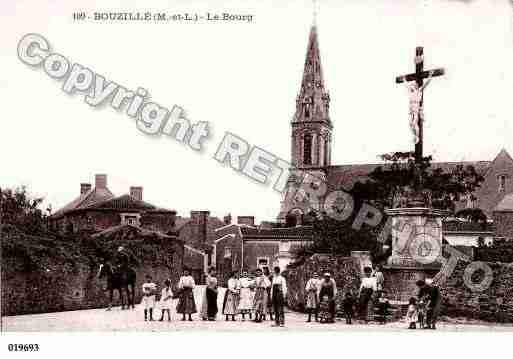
(198, 234)
(96, 209)
(246, 247)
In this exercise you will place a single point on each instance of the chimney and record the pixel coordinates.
(136, 193)
(84, 188)
(248, 220)
(227, 219)
(200, 219)
(101, 181)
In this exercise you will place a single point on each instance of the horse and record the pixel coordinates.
(121, 279)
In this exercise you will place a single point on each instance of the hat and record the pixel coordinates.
(327, 274)
(429, 281)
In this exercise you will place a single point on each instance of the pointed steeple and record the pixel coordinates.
(312, 103)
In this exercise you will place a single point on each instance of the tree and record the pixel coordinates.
(338, 237)
(400, 172)
(19, 209)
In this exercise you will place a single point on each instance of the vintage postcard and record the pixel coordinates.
(256, 166)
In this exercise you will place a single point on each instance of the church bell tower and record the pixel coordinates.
(311, 132)
(311, 125)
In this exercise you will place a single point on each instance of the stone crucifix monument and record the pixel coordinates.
(416, 226)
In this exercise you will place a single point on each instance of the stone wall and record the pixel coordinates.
(504, 223)
(64, 276)
(345, 271)
(493, 304)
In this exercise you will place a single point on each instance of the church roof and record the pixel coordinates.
(346, 176)
(290, 233)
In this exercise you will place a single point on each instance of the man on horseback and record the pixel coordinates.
(124, 258)
(120, 276)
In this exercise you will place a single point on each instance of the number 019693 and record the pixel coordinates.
(23, 347)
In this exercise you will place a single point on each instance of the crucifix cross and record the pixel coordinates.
(416, 97)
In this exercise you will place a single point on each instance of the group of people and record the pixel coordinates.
(262, 295)
(425, 308)
(186, 303)
(320, 301)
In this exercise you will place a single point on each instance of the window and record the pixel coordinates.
(130, 219)
(284, 246)
(227, 252)
(307, 149)
(502, 183)
(262, 262)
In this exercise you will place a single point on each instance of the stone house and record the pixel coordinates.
(96, 209)
(246, 247)
(503, 218)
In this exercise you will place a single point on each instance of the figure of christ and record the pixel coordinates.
(416, 95)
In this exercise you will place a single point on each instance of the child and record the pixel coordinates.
(421, 312)
(324, 309)
(383, 307)
(348, 304)
(165, 300)
(148, 288)
(411, 315)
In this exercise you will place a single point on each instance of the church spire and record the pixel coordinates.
(311, 126)
(312, 103)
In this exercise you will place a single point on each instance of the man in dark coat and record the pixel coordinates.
(434, 301)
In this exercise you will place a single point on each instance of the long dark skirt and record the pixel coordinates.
(270, 308)
(365, 304)
(186, 303)
(212, 309)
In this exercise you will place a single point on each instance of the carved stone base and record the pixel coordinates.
(416, 237)
(400, 282)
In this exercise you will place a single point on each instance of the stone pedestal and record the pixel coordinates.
(364, 259)
(416, 250)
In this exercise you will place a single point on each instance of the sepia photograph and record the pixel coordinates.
(315, 168)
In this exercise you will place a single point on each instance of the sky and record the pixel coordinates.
(243, 77)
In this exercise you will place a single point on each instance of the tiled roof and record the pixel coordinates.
(90, 198)
(126, 202)
(103, 199)
(506, 204)
(458, 226)
(298, 233)
(347, 175)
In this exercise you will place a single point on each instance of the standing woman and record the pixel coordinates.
(246, 298)
(231, 297)
(367, 289)
(209, 307)
(328, 288)
(186, 303)
(260, 299)
(312, 298)
(269, 276)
